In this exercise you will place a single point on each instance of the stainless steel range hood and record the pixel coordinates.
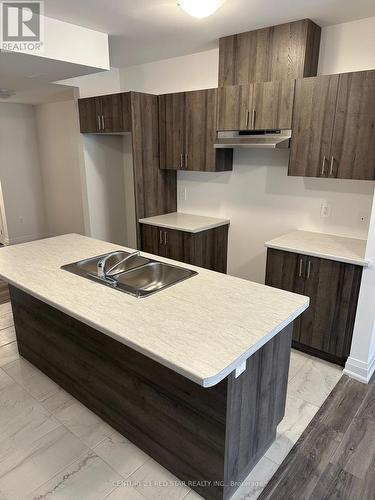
(256, 139)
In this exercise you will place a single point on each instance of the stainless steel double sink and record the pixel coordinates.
(137, 276)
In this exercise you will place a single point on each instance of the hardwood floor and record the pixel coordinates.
(335, 456)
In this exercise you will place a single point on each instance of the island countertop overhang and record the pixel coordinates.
(203, 328)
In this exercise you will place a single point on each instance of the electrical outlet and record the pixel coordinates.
(21, 219)
(182, 194)
(363, 218)
(325, 210)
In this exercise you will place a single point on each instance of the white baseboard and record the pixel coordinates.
(24, 239)
(360, 370)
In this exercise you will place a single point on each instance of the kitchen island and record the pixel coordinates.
(195, 375)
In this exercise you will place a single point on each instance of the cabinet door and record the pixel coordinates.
(286, 270)
(333, 288)
(273, 105)
(150, 239)
(353, 145)
(172, 130)
(200, 130)
(234, 105)
(286, 51)
(208, 249)
(312, 124)
(89, 115)
(294, 51)
(174, 244)
(112, 113)
(244, 58)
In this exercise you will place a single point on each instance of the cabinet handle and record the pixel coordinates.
(181, 161)
(161, 237)
(165, 238)
(186, 161)
(103, 125)
(247, 118)
(323, 171)
(331, 166)
(99, 123)
(309, 270)
(300, 267)
(253, 119)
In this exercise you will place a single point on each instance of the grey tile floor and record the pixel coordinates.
(51, 446)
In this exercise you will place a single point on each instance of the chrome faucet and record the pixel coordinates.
(101, 270)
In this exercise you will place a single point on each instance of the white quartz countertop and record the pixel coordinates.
(327, 246)
(185, 222)
(203, 328)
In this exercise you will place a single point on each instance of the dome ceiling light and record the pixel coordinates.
(200, 8)
(6, 93)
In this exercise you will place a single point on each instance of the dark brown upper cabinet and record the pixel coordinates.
(353, 143)
(283, 52)
(187, 132)
(108, 114)
(155, 190)
(89, 115)
(313, 120)
(334, 127)
(258, 106)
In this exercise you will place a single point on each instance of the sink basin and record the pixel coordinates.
(89, 266)
(138, 276)
(153, 277)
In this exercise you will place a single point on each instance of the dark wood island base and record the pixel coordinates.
(210, 438)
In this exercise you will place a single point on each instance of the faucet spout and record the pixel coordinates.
(101, 267)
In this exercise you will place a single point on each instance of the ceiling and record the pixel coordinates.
(148, 30)
(31, 76)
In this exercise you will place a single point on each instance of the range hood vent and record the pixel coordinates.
(257, 139)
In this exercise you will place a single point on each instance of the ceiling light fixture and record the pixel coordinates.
(200, 8)
(6, 93)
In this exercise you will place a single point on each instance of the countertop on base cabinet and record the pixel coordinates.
(327, 269)
(327, 246)
(198, 240)
(185, 222)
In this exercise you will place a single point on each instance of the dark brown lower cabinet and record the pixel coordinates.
(325, 329)
(210, 438)
(206, 249)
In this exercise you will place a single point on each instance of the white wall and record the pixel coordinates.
(105, 183)
(20, 173)
(59, 149)
(351, 47)
(262, 203)
(106, 82)
(258, 197)
(348, 47)
(71, 43)
(361, 363)
(192, 72)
